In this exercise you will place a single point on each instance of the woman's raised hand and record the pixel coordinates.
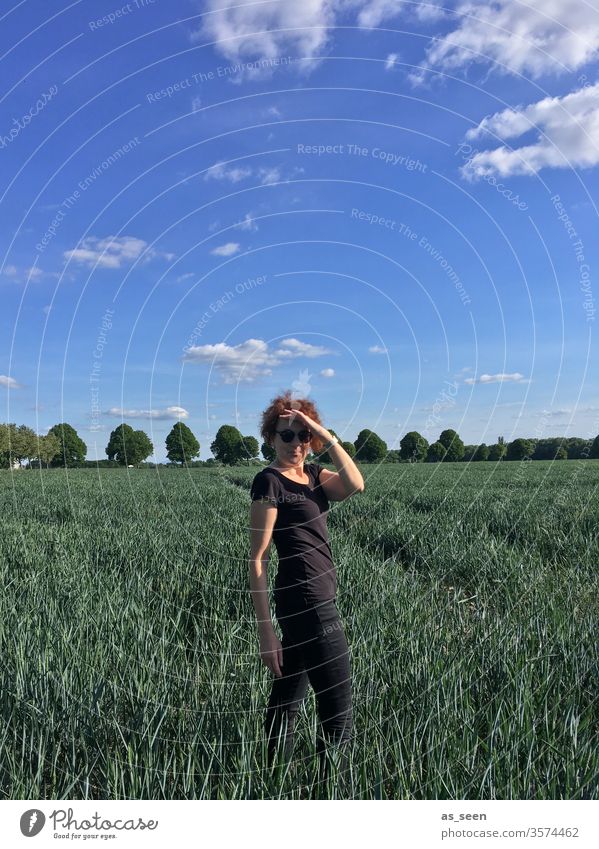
(317, 429)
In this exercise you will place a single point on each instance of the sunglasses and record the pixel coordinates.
(288, 434)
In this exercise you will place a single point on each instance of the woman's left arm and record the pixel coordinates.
(346, 481)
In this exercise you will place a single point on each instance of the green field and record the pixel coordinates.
(130, 663)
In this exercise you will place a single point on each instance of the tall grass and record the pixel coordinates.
(129, 651)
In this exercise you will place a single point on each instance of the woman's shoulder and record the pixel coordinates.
(266, 472)
(265, 485)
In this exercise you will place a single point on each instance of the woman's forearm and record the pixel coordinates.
(347, 469)
(259, 592)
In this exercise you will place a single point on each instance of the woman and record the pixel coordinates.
(290, 502)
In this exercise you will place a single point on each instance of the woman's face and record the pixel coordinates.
(290, 453)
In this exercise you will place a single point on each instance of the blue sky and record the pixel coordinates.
(390, 208)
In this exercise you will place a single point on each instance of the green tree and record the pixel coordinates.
(454, 447)
(350, 448)
(181, 444)
(127, 446)
(48, 447)
(497, 451)
(72, 448)
(481, 452)
(116, 448)
(142, 447)
(435, 453)
(594, 452)
(7, 438)
(519, 449)
(251, 448)
(24, 443)
(413, 447)
(227, 446)
(370, 448)
(4, 446)
(578, 448)
(548, 449)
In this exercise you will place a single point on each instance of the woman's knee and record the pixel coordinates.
(338, 727)
(277, 712)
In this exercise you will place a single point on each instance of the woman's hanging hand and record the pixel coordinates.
(271, 652)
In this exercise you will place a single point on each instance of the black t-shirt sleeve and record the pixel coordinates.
(265, 486)
(316, 467)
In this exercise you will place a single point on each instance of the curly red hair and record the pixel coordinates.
(277, 407)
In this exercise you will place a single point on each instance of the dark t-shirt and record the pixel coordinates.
(306, 575)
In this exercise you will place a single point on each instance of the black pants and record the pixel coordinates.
(315, 652)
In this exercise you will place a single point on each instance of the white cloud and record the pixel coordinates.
(565, 412)
(187, 276)
(166, 413)
(391, 60)
(112, 251)
(571, 411)
(220, 171)
(251, 359)
(567, 136)
(294, 348)
(377, 349)
(536, 37)
(248, 223)
(509, 404)
(516, 377)
(27, 275)
(10, 382)
(374, 12)
(196, 103)
(269, 175)
(327, 372)
(431, 11)
(248, 31)
(533, 38)
(227, 249)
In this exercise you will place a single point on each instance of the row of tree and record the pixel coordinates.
(414, 448)
(449, 448)
(62, 446)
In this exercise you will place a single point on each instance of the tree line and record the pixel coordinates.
(414, 448)
(62, 446)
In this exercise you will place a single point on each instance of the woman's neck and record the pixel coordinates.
(298, 468)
